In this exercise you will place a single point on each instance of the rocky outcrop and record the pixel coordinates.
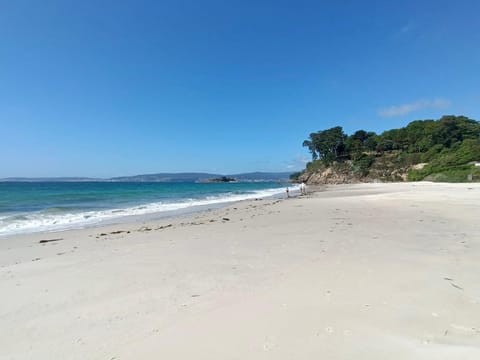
(382, 170)
(340, 173)
(329, 175)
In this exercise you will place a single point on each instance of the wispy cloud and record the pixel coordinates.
(404, 109)
(406, 31)
(406, 28)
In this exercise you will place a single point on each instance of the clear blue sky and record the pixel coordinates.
(107, 88)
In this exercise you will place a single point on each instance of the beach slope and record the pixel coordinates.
(368, 271)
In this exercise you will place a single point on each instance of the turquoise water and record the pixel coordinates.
(46, 206)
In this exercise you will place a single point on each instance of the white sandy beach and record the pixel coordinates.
(368, 271)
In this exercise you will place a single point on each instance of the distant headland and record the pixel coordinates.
(168, 177)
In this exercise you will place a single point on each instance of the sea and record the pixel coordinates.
(29, 207)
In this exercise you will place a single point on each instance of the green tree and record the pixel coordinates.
(452, 129)
(419, 135)
(371, 141)
(326, 145)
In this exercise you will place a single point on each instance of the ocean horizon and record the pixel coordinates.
(30, 207)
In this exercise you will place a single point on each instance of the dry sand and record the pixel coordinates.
(371, 271)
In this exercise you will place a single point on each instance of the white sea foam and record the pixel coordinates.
(44, 221)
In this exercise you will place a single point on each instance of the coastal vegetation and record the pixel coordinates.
(447, 149)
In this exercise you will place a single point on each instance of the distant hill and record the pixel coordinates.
(262, 176)
(204, 177)
(165, 177)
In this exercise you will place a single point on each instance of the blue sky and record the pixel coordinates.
(107, 88)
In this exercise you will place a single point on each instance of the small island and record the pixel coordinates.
(223, 179)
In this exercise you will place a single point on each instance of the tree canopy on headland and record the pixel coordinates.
(445, 148)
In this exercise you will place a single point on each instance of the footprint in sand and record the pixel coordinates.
(268, 344)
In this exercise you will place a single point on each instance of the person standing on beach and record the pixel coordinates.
(303, 189)
(288, 192)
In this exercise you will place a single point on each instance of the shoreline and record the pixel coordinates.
(364, 271)
(119, 216)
